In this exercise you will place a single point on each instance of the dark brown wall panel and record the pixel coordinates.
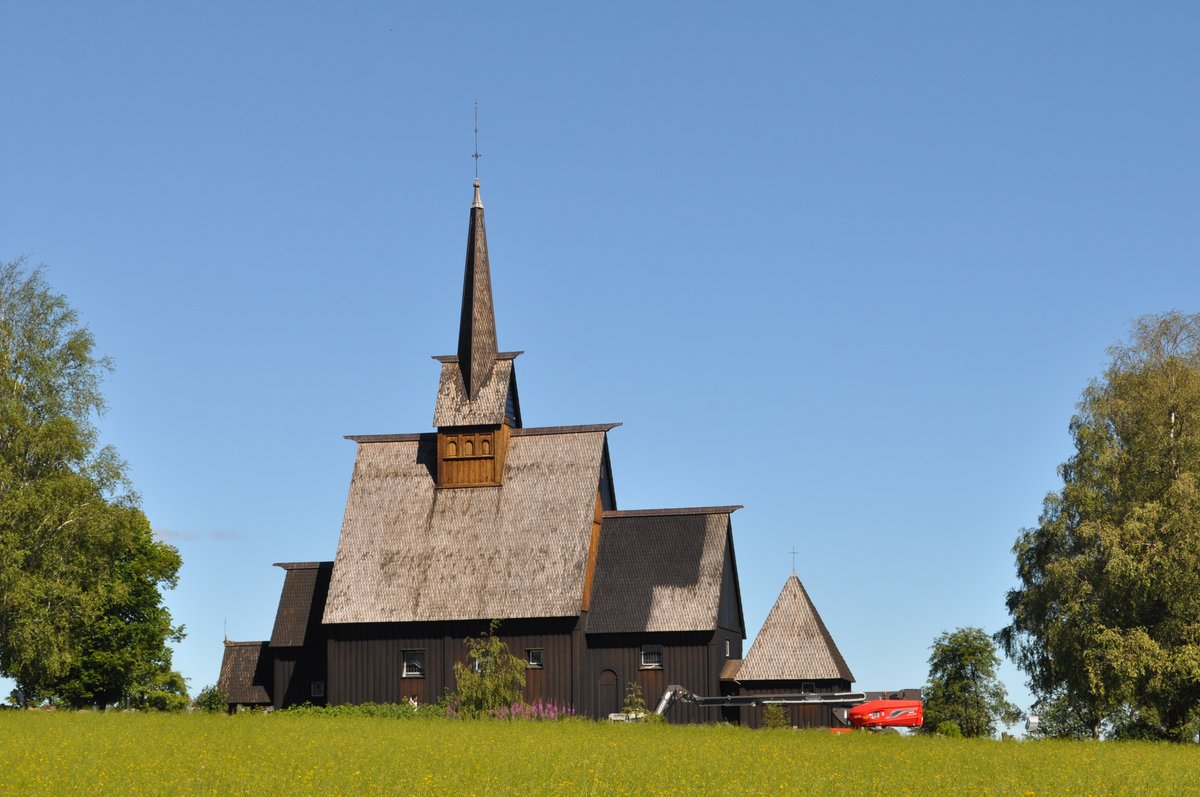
(687, 661)
(295, 670)
(799, 716)
(366, 661)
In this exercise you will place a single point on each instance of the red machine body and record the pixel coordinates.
(887, 714)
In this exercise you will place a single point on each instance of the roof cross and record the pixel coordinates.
(476, 154)
(794, 552)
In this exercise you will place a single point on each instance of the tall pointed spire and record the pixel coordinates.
(477, 328)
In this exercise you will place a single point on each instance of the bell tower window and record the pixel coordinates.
(471, 456)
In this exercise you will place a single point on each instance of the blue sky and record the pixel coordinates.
(849, 265)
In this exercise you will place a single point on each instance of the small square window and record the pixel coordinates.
(727, 648)
(533, 659)
(414, 664)
(808, 686)
(316, 689)
(652, 657)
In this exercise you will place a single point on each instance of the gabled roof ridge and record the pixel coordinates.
(683, 510)
(528, 431)
(229, 643)
(500, 355)
(300, 565)
(410, 437)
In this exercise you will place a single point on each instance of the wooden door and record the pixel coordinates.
(607, 695)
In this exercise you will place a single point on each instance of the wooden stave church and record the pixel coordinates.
(486, 519)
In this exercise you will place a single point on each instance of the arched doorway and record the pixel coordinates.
(606, 694)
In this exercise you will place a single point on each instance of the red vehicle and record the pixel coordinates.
(878, 714)
(875, 711)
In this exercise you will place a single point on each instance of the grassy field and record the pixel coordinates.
(89, 753)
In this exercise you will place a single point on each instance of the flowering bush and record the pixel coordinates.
(538, 711)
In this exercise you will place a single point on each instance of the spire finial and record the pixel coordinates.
(476, 154)
(794, 552)
(477, 202)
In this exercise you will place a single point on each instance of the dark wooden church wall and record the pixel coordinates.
(295, 669)
(801, 716)
(366, 660)
(689, 659)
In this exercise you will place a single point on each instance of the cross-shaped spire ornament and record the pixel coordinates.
(794, 552)
(476, 154)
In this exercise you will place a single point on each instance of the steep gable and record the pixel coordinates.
(410, 551)
(246, 673)
(301, 603)
(794, 643)
(660, 570)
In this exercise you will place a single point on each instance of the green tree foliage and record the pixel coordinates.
(635, 706)
(493, 678)
(949, 729)
(775, 717)
(963, 688)
(211, 699)
(81, 618)
(1106, 619)
(635, 700)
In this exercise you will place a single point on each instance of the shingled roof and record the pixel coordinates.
(409, 551)
(246, 673)
(794, 643)
(662, 570)
(489, 406)
(301, 604)
(477, 326)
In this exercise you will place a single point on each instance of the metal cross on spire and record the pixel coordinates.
(794, 552)
(476, 154)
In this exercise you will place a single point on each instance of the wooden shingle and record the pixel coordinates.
(454, 405)
(301, 604)
(246, 673)
(660, 570)
(410, 551)
(794, 643)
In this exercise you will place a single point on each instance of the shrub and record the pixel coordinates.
(775, 716)
(495, 679)
(211, 699)
(949, 729)
(635, 701)
(538, 711)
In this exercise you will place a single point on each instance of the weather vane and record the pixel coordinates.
(476, 154)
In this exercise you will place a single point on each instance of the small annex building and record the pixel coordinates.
(487, 519)
(793, 652)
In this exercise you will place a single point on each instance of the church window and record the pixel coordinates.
(808, 686)
(469, 458)
(316, 689)
(533, 659)
(727, 648)
(414, 664)
(652, 657)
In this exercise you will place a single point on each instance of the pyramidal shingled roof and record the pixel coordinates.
(794, 643)
(477, 327)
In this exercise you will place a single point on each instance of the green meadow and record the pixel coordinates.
(90, 753)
